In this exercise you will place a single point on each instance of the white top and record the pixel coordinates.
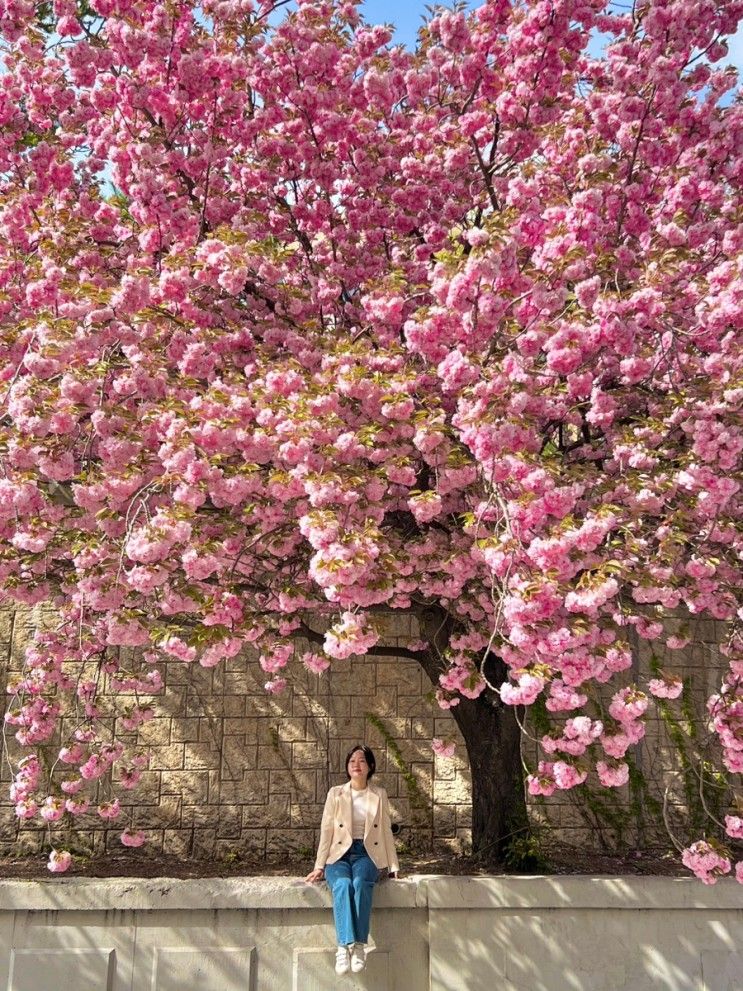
(359, 801)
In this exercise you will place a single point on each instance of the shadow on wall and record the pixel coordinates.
(237, 774)
(589, 934)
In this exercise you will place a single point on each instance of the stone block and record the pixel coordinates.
(176, 842)
(252, 842)
(444, 769)
(416, 706)
(239, 726)
(253, 789)
(237, 758)
(305, 815)
(147, 791)
(421, 727)
(200, 755)
(276, 813)
(415, 750)
(238, 683)
(233, 706)
(169, 757)
(404, 676)
(454, 792)
(335, 705)
(202, 844)
(308, 755)
(357, 679)
(155, 733)
(201, 816)
(300, 784)
(304, 705)
(274, 706)
(6, 627)
(277, 758)
(444, 821)
(210, 731)
(293, 728)
(184, 730)
(396, 726)
(299, 842)
(192, 785)
(165, 815)
(383, 705)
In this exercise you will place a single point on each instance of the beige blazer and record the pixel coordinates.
(335, 828)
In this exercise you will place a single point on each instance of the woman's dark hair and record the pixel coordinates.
(368, 754)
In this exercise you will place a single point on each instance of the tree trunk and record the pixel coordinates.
(492, 738)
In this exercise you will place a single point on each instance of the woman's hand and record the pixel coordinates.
(317, 875)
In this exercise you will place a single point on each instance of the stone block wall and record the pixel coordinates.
(236, 773)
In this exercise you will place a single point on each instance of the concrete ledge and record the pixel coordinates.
(429, 933)
(432, 891)
(576, 892)
(152, 894)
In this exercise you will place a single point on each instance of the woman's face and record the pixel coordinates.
(357, 765)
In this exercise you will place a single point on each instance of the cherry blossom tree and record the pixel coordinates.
(299, 327)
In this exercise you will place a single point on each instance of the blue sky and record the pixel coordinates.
(407, 15)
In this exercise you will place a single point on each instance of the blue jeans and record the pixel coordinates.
(351, 881)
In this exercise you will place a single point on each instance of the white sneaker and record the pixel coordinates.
(358, 957)
(341, 960)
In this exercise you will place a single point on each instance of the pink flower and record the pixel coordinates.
(612, 776)
(562, 698)
(628, 704)
(276, 686)
(133, 839)
(314, 662)
(529, 687)
(543, 782)
(734, 827)
(707, 860)
(71, 786)
(567, 775)
(71, 755)
(110, 810)
(52, 809)
(350, 636)
(59, 861)
(665, 688)
(677, 643)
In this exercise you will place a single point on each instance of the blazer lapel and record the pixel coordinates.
(371, 809)
(346, 807)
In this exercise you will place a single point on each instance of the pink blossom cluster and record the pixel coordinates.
(351, 635)
(707, 860)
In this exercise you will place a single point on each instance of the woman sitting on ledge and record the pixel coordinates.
(355, 845)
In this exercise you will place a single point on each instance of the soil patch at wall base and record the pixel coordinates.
(562, 860)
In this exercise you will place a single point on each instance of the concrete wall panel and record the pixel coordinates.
(429, 933)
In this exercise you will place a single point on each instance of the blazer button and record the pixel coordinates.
(375, 843)
(376, 825)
